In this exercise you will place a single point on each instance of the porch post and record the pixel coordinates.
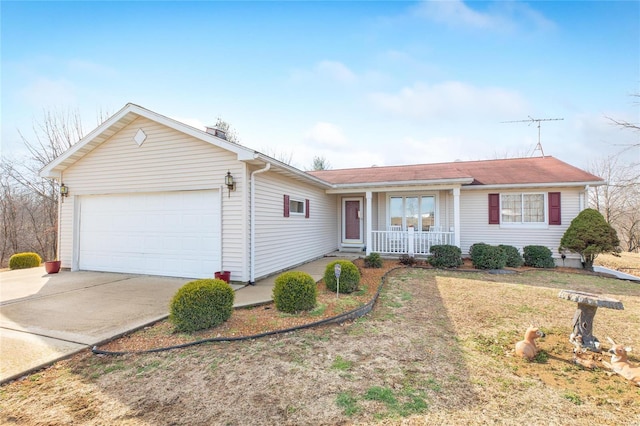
(368, 224)
(456, 216)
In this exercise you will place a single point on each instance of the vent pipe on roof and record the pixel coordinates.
(217, 132)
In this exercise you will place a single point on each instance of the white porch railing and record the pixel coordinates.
(408, 242)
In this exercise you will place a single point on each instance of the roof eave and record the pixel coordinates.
(534, 185)
(407, 183)
(55, 168)
(291, 171)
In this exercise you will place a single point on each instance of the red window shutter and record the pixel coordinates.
(286, 206)
(306, 208)
(554, 209)
(494, 209)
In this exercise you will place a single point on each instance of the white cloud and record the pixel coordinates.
(326, 70)
(336, 71)
(326, 134)
(83, 66)
(449, 100)
(500, 16)
(44, 92)
(455, 12)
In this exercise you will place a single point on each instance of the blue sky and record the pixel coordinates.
(359, 83)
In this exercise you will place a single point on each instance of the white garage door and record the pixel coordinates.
(170, 233)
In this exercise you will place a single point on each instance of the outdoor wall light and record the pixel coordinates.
(64, 190)
(228, 180)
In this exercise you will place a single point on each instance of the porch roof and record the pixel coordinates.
(515, 171)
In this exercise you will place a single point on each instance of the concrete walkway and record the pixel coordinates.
(45, 318)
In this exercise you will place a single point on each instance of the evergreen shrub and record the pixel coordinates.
(514, 259)
(538, 257)
(485, 256)
(295, 291)
(445, 256)
(201, 304)
(24, 260)
(373, 261)
(349, 276)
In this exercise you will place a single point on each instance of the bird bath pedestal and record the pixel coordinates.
(588, 303)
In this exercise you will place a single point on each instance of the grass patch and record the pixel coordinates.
(341, 364)
(348, 403)
(573, 397)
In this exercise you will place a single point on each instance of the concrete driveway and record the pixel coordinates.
(44, 317)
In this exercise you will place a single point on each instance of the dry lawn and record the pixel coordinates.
(436, 349)
(624, 262)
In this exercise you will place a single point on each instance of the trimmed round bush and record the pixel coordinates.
(538, 257)
(485, 256)
(24, 260)
(514, 259)
(349, 276)
(295, 291)
(201, 304)
(373, 261)
(445, 256)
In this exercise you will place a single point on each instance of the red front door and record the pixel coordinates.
(352, 220)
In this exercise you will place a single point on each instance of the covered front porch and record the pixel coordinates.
(400, 220)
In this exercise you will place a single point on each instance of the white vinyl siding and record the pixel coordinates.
(168, 160)
(475, 228)
(285, 241)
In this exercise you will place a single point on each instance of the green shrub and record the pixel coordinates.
(485, 256)
(445, 256)
(294, 292)
(407, 260)
(201, 304)
(373, 261)
(349, 276)
(24, 260)
(538, 257)
(589, 234)
(514, 259)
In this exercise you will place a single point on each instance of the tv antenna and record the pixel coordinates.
(535, 120)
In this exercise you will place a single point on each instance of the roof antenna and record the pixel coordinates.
(535, 120)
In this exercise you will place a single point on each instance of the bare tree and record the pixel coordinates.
(635, 127)
(320, 163)
(281, 156)
(29, 206)
(230, 132)
(619, 199)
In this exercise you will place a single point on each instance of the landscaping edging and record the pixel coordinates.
(346, 316)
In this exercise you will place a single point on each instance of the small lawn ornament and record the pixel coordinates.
(527, 348)
(581, 356)
(620, 363)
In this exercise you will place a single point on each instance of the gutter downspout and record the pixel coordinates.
(252, 225)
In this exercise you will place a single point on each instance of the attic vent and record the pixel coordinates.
(217, 132)
(140, 137)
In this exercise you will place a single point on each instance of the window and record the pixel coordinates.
(295, 207)
(416, 211)
(522, 208)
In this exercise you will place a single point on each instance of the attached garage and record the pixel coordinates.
(160, 233)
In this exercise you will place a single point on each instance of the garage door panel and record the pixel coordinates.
(173, 234)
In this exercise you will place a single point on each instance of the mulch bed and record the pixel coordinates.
(258, 319)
